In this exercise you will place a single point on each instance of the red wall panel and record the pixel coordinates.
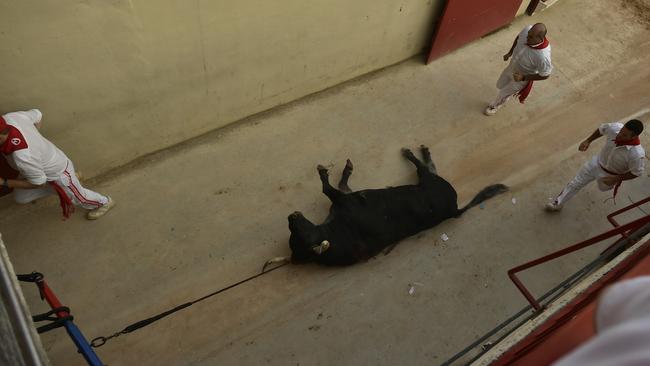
(463, 21)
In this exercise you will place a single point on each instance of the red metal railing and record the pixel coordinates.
(617, 230)
(610, 217)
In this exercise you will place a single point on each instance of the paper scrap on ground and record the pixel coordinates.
(412, 287)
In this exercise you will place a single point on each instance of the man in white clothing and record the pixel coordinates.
(531, 61)
(622, 158)
(44, 169)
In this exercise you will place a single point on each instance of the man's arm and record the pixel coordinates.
(36, 116)
(585, 144)
(19, 183)
(627, 176)
(530, 77)
(512, 49)
(614, 179)
(535, 77)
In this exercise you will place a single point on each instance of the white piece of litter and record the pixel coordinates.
(444, 237)
(514, 201)
(412, 287)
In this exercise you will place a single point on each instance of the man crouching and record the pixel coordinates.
(44, 169)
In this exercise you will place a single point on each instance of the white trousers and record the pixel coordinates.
(589, 172)
(80, 196)
(507, 87)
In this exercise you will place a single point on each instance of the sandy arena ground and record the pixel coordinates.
(209, 212)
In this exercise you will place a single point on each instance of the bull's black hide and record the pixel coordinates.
(363, 223)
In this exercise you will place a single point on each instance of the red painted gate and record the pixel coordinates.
(464, 21)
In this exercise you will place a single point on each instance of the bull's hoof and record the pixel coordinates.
(424, 148)
(348, 165)
(321, 169)
(407, 152)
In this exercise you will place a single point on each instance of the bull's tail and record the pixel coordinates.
(485, 194)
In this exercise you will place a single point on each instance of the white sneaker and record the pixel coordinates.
(553, 207)
(490, 110)
(100, 211)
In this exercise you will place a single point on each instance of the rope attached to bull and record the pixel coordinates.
(100, 341)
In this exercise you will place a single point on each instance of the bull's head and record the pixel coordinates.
(307, 241)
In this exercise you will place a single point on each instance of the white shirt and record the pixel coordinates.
(620, 159)
(41, 161)
(527, 60)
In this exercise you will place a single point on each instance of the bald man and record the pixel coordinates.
(530, 60)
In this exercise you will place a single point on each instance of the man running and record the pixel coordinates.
(43, 168)
(621, 159)
(531, 61)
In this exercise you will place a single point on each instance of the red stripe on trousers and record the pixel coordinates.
(78, 194)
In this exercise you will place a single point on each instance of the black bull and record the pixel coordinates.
(363, 223)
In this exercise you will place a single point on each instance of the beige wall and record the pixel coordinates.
(117, 79)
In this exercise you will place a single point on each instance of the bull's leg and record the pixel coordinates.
(422, 168)
(426, 156)
(331, 192)
(347, 171)
(424, 174)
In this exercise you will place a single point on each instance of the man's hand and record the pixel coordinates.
(611, 180)
(507, 56)
(518, 77)
(584, 145)
(22, 184)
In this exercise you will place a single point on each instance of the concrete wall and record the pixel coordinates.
(117, 79)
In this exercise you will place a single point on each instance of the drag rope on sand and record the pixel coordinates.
(100, 341)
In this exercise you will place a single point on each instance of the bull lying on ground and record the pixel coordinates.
(363, 223)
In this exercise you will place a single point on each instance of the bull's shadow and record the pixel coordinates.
(363, 223)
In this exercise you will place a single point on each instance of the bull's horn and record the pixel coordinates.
(275, 260)
(322, 248)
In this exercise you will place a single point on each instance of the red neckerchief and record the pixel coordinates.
(523, 93)
(540, 46)
(15, 141)
(635, 141)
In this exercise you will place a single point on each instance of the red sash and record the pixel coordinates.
(523, 93)
(635, 141)
(66, 203)
(618, 185)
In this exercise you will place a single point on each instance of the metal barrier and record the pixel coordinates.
(20, 345)
(482, 345)
(610, 217)
(63, 318)
(623, 230)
